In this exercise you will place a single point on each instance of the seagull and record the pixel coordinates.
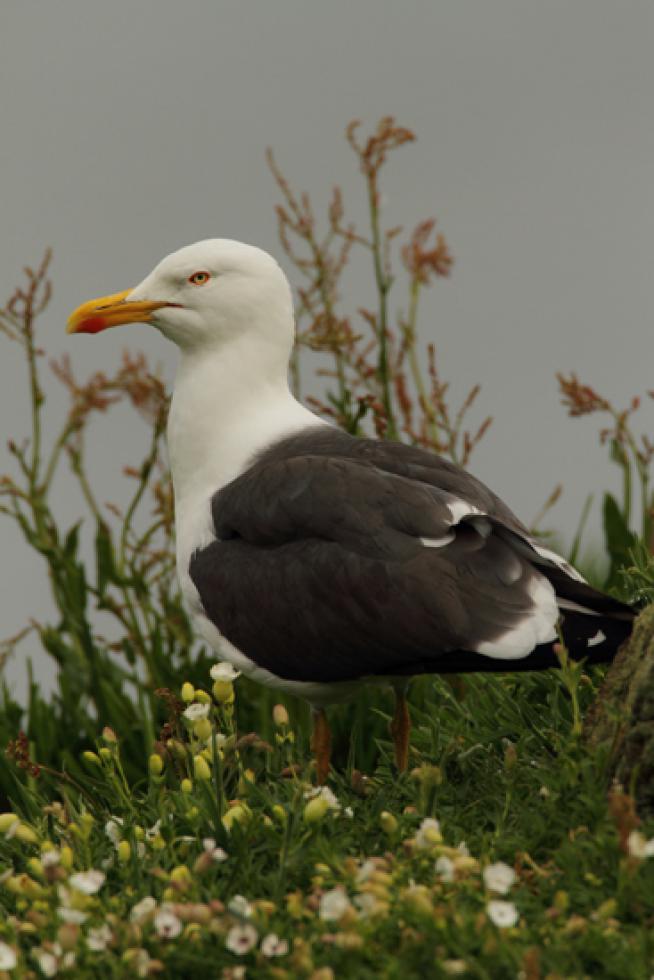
(314, 561)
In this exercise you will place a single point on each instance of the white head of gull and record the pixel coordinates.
(314, 561)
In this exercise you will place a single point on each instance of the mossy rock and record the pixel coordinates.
(622, 718)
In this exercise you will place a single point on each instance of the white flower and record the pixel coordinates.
(47, 962)
(429, 833)
(499, 877)
(113, 830)
(99, 938)
(241, 939)
(638, 846)
(196, 711)
(88, 882)
(76, 916)
(454, 968)
(324, 793)
(333, 905)
(238, 905)
(272, 945)
(217, 853)
(7, 957)
(166, 923)
(462, 848)
(153, 831)
(445, 868)
(49, 859)
(348, 812)
(224, 672)
(367, 904)
(141, 963)
(143, 910)
(502, 914)
(363, 874)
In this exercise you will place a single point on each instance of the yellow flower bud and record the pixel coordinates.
(155, 764)
(279, 813)
(188, 692)
(223, 691)
(388, 822)
(177, 748)
(66, 857)
(7, 820)
(201, 696)
(105, 753)
(280, 716)
(91, 758)
(26, 834)
(124, 851)
(192, 813)
(236, 814)
(181, 874)
(139, 833)
(169, 895)
(158, 843)
(315, 809)
(36, 867)
(202, 728)
(87, 822)
(186, 786)
(246, 781)
(201, 768)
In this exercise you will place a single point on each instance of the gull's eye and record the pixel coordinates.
(199, 278)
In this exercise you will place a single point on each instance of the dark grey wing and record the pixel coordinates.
(329, 568)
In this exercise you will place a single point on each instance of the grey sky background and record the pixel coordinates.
(131, 128)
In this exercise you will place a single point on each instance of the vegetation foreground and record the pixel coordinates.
(506, 860)
(159, 814)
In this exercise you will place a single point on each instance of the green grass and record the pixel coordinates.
(493, 759)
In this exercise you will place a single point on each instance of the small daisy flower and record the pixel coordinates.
(363, 874)
(326, 794)
(429, 833)
(143, 910)
(8, 958)
(366, 904)
(239, 905)
(241, 939)
(153, 831)
(88, 882)
(638, 846)
(166, 923)
(75, 916)
(46, 962)
(454, 968)
(224, 672)
(99, 938)
(445, 868)
(272, 945)
(499, 877)
(196, 711)
(140, 962)
(114, 830)
(51, 858)
(333, 905)
(502, 914)
(217, 853)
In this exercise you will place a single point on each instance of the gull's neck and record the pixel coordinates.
(228, 404)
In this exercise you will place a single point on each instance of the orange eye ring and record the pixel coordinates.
(199, 278)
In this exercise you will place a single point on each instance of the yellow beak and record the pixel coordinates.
(110, 311)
